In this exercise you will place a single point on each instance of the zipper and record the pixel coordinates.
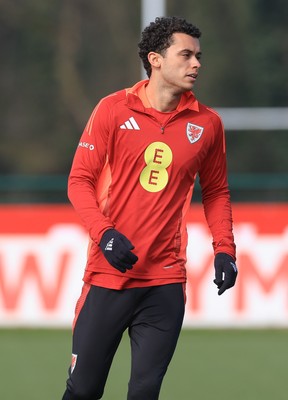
(162, 127)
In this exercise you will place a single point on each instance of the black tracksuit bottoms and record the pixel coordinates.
(153, 316)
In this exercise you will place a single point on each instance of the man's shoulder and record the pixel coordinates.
(210, 114)
(209, 111)
(113, 98)
(103, 109)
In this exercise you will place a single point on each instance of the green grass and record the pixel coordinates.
(208, 364)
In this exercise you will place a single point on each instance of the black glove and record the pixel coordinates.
(116, 249)
(224, 264)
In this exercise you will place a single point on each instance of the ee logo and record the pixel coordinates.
(154, 177)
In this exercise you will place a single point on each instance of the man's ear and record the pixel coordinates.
(154, 59)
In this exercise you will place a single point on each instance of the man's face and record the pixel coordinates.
(180, 64)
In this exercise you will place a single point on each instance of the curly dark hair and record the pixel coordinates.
(158, 37)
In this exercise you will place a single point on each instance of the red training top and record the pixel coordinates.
(134, 170)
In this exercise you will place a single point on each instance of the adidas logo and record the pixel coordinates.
(109, 245)
(130, 124)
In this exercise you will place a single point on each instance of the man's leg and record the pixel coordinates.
(101, 318)
(154, 334)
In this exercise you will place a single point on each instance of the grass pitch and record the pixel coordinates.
(208, 364)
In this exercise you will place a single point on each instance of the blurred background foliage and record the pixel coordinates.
(58, 58)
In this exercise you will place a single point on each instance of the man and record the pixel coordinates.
(131, 183)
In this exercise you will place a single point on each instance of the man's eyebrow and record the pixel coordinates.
(198, 53)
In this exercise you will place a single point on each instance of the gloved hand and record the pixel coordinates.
(224, 264)
(116, 249)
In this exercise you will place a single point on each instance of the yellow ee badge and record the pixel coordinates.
(154, 177)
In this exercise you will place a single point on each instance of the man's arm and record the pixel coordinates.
(87, 170)
(217, 208)
(88, 186)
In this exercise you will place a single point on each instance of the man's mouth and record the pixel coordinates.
(194, 76)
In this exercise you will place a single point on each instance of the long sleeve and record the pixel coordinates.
(216, 195)
(87, 176)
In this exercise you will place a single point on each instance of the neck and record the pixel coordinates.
(162, 98)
